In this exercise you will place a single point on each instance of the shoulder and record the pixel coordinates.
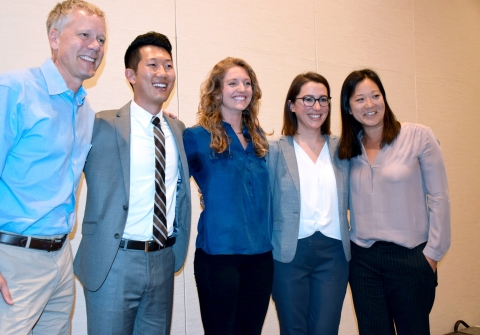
(411, 128)
(106, 115)
(19, 79)
(196, 131)
(175, 122)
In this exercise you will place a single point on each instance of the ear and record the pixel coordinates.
(350, 112)
(291, 106)
(130, 75)
(54, 39)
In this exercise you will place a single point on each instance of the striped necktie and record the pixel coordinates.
(160, 234)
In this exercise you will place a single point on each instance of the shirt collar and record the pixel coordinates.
(142, 116)
(56, 84)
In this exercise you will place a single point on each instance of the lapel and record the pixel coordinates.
(122, 128)
(178, 135)
(288, 151)
(339, 169)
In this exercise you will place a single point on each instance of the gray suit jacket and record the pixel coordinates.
(107, 172)
(285, 183)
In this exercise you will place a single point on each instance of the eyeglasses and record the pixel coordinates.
(309, 101)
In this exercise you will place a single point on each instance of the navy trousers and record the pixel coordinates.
(393, 287)
(309, 291)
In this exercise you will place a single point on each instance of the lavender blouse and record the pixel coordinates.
(403, 196)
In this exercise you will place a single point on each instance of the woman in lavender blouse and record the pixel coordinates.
(400, 211)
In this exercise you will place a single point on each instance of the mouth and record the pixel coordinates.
(370, 113)
(315, 116)
(88, 59)
(160, 85)
(240, 98)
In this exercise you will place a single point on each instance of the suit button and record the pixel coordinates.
(125, 207)
(117, 236)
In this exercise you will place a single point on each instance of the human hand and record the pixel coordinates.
(7, 297)
(202, 203)
(173, 116)
(432, 263)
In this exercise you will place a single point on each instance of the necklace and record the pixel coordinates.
(308, 145)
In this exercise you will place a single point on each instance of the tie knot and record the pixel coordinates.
(156, 121)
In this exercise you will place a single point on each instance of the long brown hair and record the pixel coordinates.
(210, 107)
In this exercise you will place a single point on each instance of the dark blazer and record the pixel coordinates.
(285, 183)
(107, 172)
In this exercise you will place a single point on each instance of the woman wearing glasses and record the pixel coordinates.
(400, 212)
(310, 227)
(226, 155)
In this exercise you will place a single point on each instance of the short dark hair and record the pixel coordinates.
(132, 55)
(290, 121)
(349, 143)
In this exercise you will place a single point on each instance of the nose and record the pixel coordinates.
(95, 45)
(241, 87)
(161, 72)
(368, 102)
(316, 105)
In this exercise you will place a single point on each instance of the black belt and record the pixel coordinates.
(35, 243)
(147, 246)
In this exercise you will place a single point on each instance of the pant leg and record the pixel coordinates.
(154, 314)
(291, 294)
(112, 309)
(369, 296)
(411, 286)
(218, 282)
(256, 279)
(32, 277)
(55, 318)
(328, 284)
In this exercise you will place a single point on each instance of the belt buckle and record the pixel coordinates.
(51, 245)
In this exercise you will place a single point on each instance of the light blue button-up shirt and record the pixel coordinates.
(45, 136)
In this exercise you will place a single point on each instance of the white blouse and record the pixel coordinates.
(318, 194)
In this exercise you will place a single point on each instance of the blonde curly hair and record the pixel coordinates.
(210, 107)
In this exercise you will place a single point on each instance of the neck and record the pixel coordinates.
(234, 119)
(309, 135)
(153, 109)
(372, 136)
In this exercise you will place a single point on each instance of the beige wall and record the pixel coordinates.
(426, 52)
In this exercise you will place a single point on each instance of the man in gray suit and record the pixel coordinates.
(127, 276)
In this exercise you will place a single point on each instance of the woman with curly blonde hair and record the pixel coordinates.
(226, 155)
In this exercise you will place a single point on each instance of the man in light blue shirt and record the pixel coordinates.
(45, 134)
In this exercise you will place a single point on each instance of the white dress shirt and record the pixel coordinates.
(139, 224)
(318, 194)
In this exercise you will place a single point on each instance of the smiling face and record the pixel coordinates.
(367, 105)
(78, 49)
(154, 79)
(310, 118)
(236, 91)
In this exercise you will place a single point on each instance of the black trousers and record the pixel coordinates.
(233, 291)
(393, 287)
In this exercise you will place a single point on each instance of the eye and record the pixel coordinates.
(323, 99)
(247, 83)
(84, 35)
(232, 83)
(169, 66)
(308, 99)
(359, 100)
(101, 41)
(376, 96)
